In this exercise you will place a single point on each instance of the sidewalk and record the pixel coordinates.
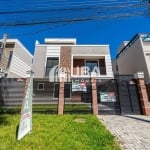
(132, 131)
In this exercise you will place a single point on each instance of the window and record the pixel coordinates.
(67, 90)
(92, 65)
(40, 86)
(51, 62)
(56, 90)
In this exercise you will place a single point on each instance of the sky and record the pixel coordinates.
(112, 31)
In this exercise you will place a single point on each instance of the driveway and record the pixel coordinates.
(132, 131)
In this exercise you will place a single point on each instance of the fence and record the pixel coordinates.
(11, 91)
(128, 94)
(78, 97)
(115, 96)
(107, 93)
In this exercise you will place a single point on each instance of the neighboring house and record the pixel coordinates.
(134, 56)
(15, 59)
(77, 61)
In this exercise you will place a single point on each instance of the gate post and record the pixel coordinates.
(94, 97)
(145, 104)
(61, 97)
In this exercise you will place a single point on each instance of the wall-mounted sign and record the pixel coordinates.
(79, 86)
(107, 97)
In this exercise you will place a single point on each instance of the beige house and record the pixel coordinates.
(15, 59)
(76, 63)
(80, 61)
(134, 56)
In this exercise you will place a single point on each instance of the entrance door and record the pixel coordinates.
(128, 95)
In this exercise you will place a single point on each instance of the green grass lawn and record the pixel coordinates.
(54, 132)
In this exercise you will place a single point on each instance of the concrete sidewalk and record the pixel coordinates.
(132, 131)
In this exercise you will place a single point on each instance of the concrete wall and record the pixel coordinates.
(90, 49)
(132, 60)
(39, 61)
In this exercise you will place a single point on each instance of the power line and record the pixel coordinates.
(74, 9)
(81, 19)
(62, 4)
(76, 14)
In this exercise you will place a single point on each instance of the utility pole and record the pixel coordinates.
(2, 44)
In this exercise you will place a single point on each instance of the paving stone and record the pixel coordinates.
(132, 131)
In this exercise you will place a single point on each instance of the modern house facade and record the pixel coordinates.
(87, 76)
(58, 58)
(76, 59)
(15, 59)
(134, 56)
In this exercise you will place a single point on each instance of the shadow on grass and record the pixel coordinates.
(17, 129)
(77, 112)
(45, 112)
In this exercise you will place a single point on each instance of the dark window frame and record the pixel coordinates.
(50, 63)
(38, 86)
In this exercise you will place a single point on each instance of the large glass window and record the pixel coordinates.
(92, 65)
(51, 62)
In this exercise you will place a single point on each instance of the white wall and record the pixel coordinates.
(132, 60)
(18, 68)
(108, 66)
(39, 61)
(53, 51)
(40, 56)
(21, 61)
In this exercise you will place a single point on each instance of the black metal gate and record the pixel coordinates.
(108, 99)
(128, 95)
(118, 96)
